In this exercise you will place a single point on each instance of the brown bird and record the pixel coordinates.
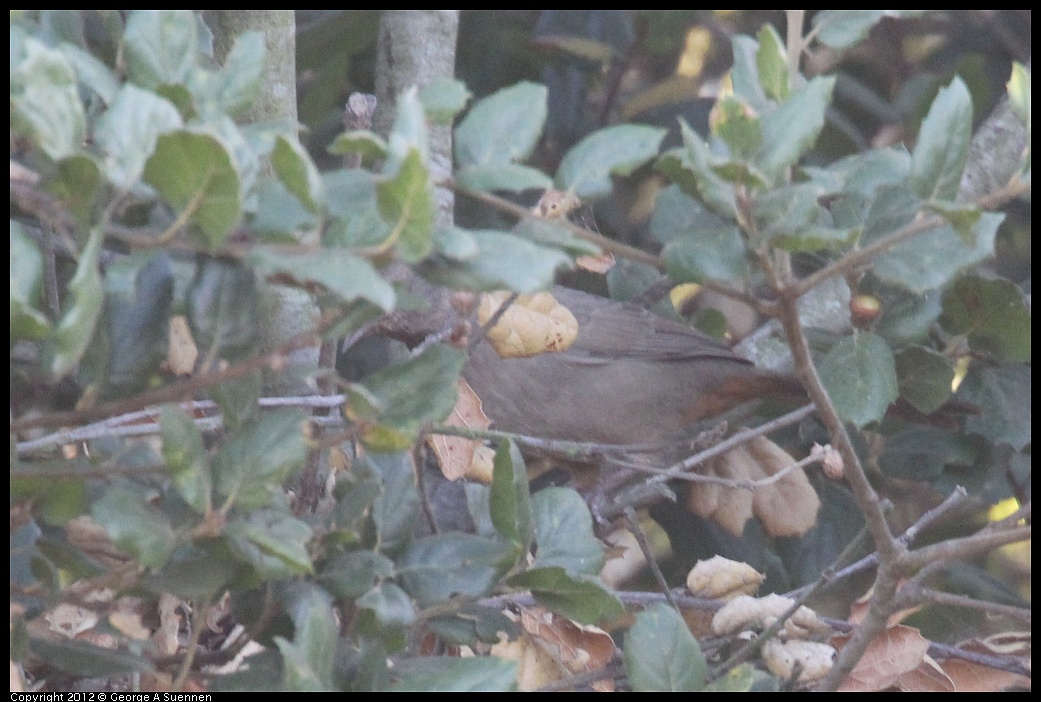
(630, 377)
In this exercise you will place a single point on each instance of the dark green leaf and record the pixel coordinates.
(195, 571)
(45, 102)
(405, 397)
(350, 575)
(503, 127)
(792, 129)
(1003, 395)
(474, 623)
(27, 322)
(443, 99)
(160, 46)
(436, 568)
(186, 458)
(582, 599)
(510, 501)
(660, 653)
(503, 261)
(943, 144)
(138, 529)
(395, 510)
(55, 501)
(128, 131)
(925, 378)
(922, 453)
(294, 168)
(859, 374)
(717, 254)
(407, 204)
(81, 658)
(273, 543)
(442, 674)
(222, 307)
(510, 177)
(906, 317)
(992, 313)
(139, 327)
(74, 331)
(772, 63)
(194, 173)
(78, 183)
(238, 399)
(390, 604)
(341, 273)
(788, 215)
(588, 166)
(254, 460)
(564, 532)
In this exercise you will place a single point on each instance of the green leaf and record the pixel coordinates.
(503, 127)
(455, 243)
(369, 145)
(185, 456)
(160, 46)
(564, 532)
(443, 99)
(79, 658)
(923, 453)
(390, 604)
(253, 461)
(27, 322)
(660, 653)
(395, 509)
(745, 73)
(436, 568)
(503, 261)
(772, 63)
(696, 161)
(45, 102)
(739, 127)
(294, 168)
(346, 276)
(443, 674)
(925, 378)
(510, 500)
(138, 529)
(273, 543)
(128, 131)
(677, 215)
(992, 312)
(77, 182)
(350, 575)
(74, 331)
(579, 598)
(405, 397)
(239, 80)
(717, 254)
(406, 202)
(194, 173)
(859, 374)
(938, 159)
(963, 217)
(408, 135)
(933, 258)
(238, 399)
(92, 73)
(354, 216)
(619, 150)
(308, 660)
(792, 129)
(223, 311)
(1003, 395)
(138, 326)
(841, 29)
(196, 570)
(509, 177)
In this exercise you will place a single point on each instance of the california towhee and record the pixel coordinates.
(631, 376)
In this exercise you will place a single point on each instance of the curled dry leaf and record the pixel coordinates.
(814, 659)
(722, 578)
(460, 457)
(892, 656)
(745, 612)
(531, 325)
(786, 506)
(829, 459)
(182, 352)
